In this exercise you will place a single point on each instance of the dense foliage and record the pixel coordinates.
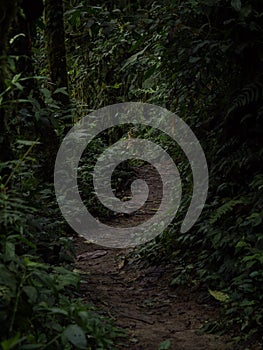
(40, 302)
(200, 59)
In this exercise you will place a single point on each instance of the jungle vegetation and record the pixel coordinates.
(59, 61)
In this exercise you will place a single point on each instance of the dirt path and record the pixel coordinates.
(141, 301)
(139, 298)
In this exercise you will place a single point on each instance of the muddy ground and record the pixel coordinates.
(138, 296)
(141, 301)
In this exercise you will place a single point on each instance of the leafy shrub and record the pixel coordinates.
(39, 303)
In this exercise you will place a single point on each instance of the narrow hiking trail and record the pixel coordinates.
(140, 300)
(138, 297)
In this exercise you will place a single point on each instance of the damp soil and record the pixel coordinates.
(140, 298)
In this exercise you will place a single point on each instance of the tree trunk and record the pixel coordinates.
(55, 37)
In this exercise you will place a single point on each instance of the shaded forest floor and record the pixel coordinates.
(139, 298)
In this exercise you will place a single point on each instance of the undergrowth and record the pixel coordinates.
(203, 61)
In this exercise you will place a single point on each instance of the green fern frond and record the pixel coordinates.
(225, 209)
(238, 159)
(232, 143)
(257, 182)
(251, 93)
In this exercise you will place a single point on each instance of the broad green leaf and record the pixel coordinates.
(61, 91)
(19, 86)
(134, 58)
(9, 253)
(31, 293)
(7, 279)
(220, 296)
(236, 4)
(193, 59)
(58, 311)
(16, 78)
(165, 345)
(12, 342)
(76, 336)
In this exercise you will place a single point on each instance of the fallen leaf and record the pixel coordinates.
(92, 255)
(121, 264)
(81, 272)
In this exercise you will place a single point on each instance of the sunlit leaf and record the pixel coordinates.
(220, 296)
